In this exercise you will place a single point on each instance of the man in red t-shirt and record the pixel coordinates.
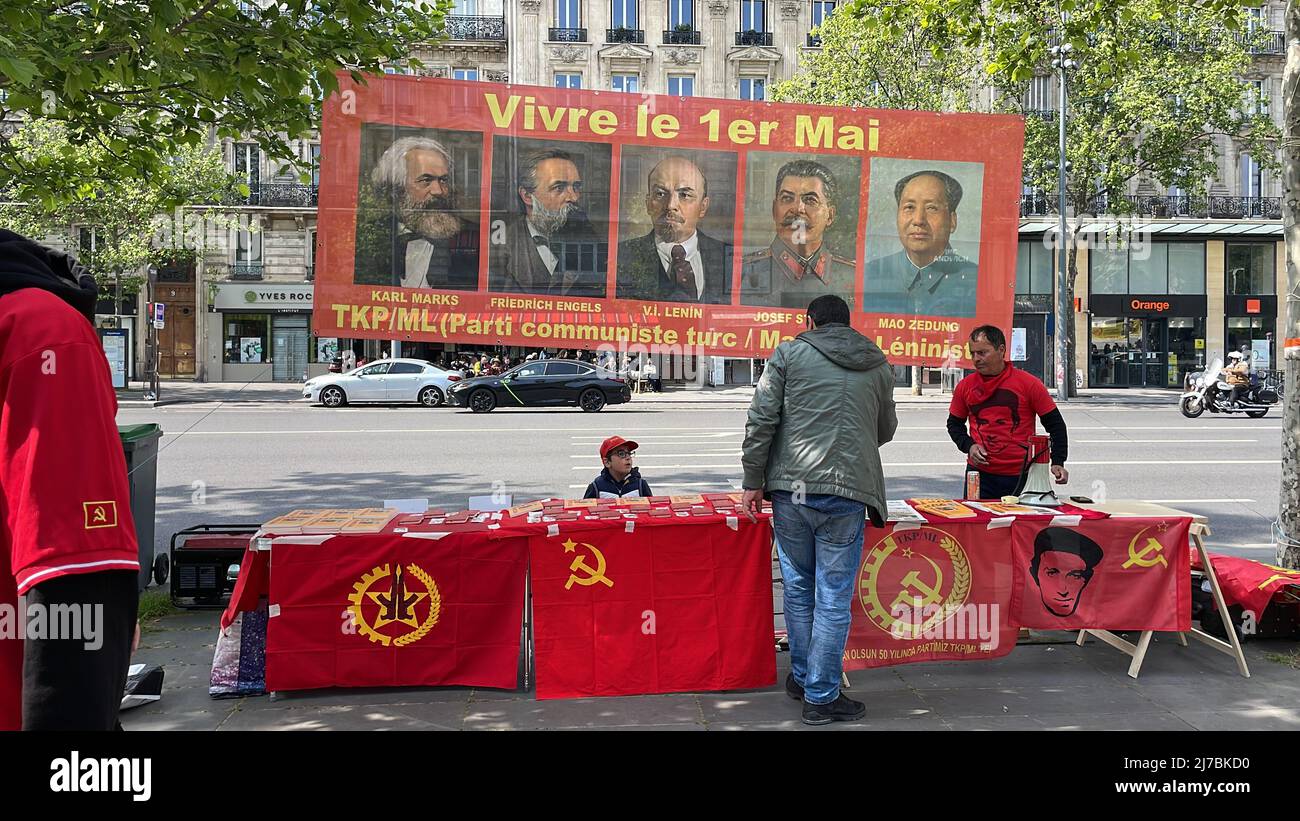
(1001, 402)
(67, 541)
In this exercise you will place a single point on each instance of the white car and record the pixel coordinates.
(388, 380)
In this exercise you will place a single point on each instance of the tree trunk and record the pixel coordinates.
(1288, 517)
(916, 380)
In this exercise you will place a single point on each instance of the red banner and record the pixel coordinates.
(474, 212)
(391, 611)
(1248, 583)
(932, 593)
(673, 608)
(1117, 574)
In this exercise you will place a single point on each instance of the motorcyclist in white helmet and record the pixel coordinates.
(1237, 374)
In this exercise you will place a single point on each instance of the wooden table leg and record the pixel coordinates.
(1232, 647)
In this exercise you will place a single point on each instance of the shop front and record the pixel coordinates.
(1141, 341)
(261, 332)
(1250, 301)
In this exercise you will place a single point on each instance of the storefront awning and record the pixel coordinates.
(1188, 227)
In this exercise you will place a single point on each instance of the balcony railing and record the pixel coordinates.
(681, 38)
(249, 271)
(277, 195)
(568, 35)
(624, 35)
(476, 28)
(753, 38)
(814, 41)
(1212, 207)
(1269, 42)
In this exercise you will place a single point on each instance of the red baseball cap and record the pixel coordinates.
(613, 442)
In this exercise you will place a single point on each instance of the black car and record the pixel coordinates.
(542, 384)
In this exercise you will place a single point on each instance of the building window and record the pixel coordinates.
(1256, 98)
(465, 8)
(1034, 269)
(753, 15)
(1041, 94)
(311, 255)
(568, 14)
(1148, 268)
(681, 85)
(315, 165)
(86, 241)
(623, 14)
(1256, 19)
(681, 13)
(1249, 178)
(247, 164)
(821, 9)
(568, 81)
(246, 338)
(465, 74)
(753, 88)
(630, 83)
(248, 246)
(1251, 269)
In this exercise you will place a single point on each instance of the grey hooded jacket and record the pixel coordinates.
(823, 408)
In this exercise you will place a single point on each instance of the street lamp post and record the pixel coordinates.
(151, 340)
(1064, 310)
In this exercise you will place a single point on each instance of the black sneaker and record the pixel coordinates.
(842, 708)
(792, 688)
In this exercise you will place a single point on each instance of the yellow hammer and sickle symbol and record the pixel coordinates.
(912, 582)
(1139, 557)
(596, 574)
(1288, 576)
(100, 515)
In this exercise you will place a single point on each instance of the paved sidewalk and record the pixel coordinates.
(185, 392)
(1049, 684)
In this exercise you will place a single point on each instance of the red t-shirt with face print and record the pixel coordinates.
(1001, 413)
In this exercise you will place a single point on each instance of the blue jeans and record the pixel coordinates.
(820, 545)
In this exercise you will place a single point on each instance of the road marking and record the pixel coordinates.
(1198, 501)
(956, 465)
(1166, 441)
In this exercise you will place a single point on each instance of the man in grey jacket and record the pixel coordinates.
(822, 410)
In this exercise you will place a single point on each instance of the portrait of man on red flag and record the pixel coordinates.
(1062, 567)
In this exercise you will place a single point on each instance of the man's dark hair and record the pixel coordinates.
(809, 168)
(992, 333)
(526, 175)
(828, 309)
(1065, 540)
(951, 188)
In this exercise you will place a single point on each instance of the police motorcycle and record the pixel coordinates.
(1206, 390)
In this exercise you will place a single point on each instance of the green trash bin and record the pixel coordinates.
(140, 444)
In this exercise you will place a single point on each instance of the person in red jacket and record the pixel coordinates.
(1001, 402)
(67, 541)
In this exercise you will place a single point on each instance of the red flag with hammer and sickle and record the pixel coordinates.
(1249, 583)
(1121, 573)
(663, 609)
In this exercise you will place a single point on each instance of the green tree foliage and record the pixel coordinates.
(144, 80)
(133, 220)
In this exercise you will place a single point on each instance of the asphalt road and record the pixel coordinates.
(225, 464)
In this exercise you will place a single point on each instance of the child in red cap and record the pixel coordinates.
(619, 478)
